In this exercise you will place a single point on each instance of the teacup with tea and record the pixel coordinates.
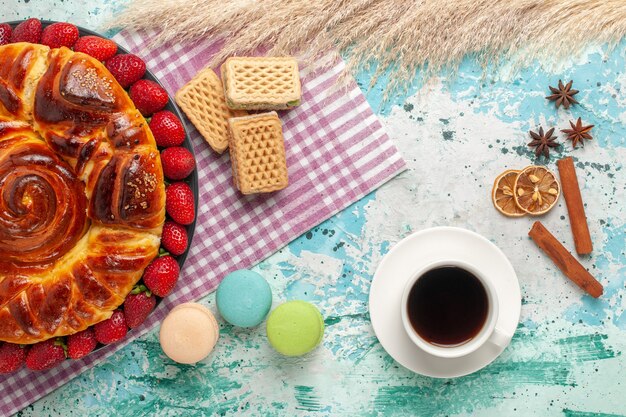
(450, 309)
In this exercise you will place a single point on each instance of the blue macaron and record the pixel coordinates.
(244, 298)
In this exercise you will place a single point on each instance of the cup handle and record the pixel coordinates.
(499, 338)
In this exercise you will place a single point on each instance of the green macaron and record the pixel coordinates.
(295, 328)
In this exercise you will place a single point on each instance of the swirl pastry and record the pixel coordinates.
(82, 199)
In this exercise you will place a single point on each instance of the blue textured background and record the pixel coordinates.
(456, 135)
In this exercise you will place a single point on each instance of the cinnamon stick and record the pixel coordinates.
(575, 208)
(564, 260)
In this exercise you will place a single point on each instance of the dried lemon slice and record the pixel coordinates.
(536, 190)
(502, 194)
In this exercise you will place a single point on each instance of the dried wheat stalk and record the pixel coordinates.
(401, 36)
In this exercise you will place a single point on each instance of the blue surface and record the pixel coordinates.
(457, 134)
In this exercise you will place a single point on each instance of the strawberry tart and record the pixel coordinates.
(83, 198)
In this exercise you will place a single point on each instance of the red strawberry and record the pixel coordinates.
(179, 203)
(81, 344)
(177, 162)
(161, 275)
(97, 47)
(126, 68)
(167, 129)
(12, 357)
(27, 31)
(112, 329)
(60, 34)
(45, 355)
(5, 33)
(148, 96)
(174, 238)
(138, 306)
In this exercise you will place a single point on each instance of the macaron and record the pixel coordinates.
(244, 298)
(188, 333)
(295, 328)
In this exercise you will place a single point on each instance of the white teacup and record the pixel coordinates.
(487, 334)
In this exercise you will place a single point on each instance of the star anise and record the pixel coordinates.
(563, 95)
(543, 142)
(578, 132)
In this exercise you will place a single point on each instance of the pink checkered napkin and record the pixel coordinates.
(337, 152)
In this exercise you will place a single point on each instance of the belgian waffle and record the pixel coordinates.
(202, 100)
(257, 153)
(260, 83)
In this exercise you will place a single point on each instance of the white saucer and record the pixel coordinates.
(416, 251)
